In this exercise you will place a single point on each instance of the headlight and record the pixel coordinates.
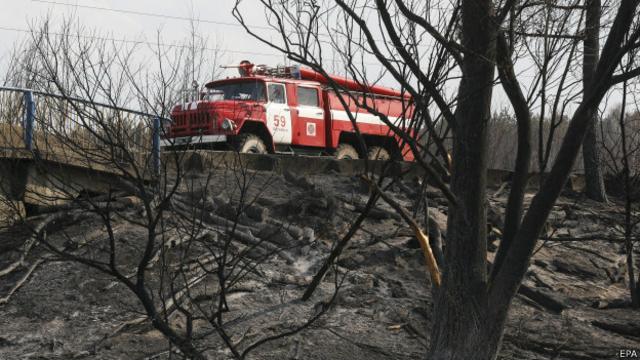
(228, 124)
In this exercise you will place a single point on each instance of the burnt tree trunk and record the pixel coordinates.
(470, 312)
(460, 326)
(591, 157)
(508, 277)
(628, 225)
(515, 204)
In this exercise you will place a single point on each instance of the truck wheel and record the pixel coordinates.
(249, 143)
(378, 153)
(346, 151)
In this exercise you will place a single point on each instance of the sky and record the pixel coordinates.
(140, 20)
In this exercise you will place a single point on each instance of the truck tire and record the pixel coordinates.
(347, 152)
(249, 143)
(378, 153)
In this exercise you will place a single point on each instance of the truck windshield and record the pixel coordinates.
(245, 90)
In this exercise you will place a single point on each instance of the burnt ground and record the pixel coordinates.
(575, 305)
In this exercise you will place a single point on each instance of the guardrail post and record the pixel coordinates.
(155, 145)
(29, 117)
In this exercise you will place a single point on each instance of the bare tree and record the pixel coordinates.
(629, 222)
(591, 156)
(188, 247)
(621, 143)
(472, 304)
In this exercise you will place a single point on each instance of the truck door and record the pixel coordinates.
(310, 126)
(278, 114)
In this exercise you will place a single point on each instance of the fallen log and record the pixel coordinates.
(628, 328)
(603, 238)
(241, 232)
(544, 298)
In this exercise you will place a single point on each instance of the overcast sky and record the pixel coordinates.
(140, 20)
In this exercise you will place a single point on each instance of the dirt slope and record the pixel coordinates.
(569, 309)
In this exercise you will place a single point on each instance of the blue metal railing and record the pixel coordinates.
(30, 110)
(29, 118)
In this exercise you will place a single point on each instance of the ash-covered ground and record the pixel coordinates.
(574, 303)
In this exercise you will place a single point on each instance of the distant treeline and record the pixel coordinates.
(503, 137)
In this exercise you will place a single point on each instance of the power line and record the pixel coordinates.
(176, 17)
(142, 13)
(138, 42)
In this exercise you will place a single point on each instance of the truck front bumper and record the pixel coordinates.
(189, 140)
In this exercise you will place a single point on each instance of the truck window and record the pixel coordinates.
(244, 90)
(276, 93)
(308, 96)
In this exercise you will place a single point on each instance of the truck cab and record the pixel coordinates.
(252, 114)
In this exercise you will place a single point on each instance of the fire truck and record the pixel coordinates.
(291, 109)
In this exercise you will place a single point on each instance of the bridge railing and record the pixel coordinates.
(79, 130)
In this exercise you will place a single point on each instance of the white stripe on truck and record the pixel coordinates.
(364, 118)
(311, 112)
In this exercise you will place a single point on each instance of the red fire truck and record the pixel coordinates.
(290, 109)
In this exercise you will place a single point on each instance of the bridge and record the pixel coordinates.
(53, 148)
